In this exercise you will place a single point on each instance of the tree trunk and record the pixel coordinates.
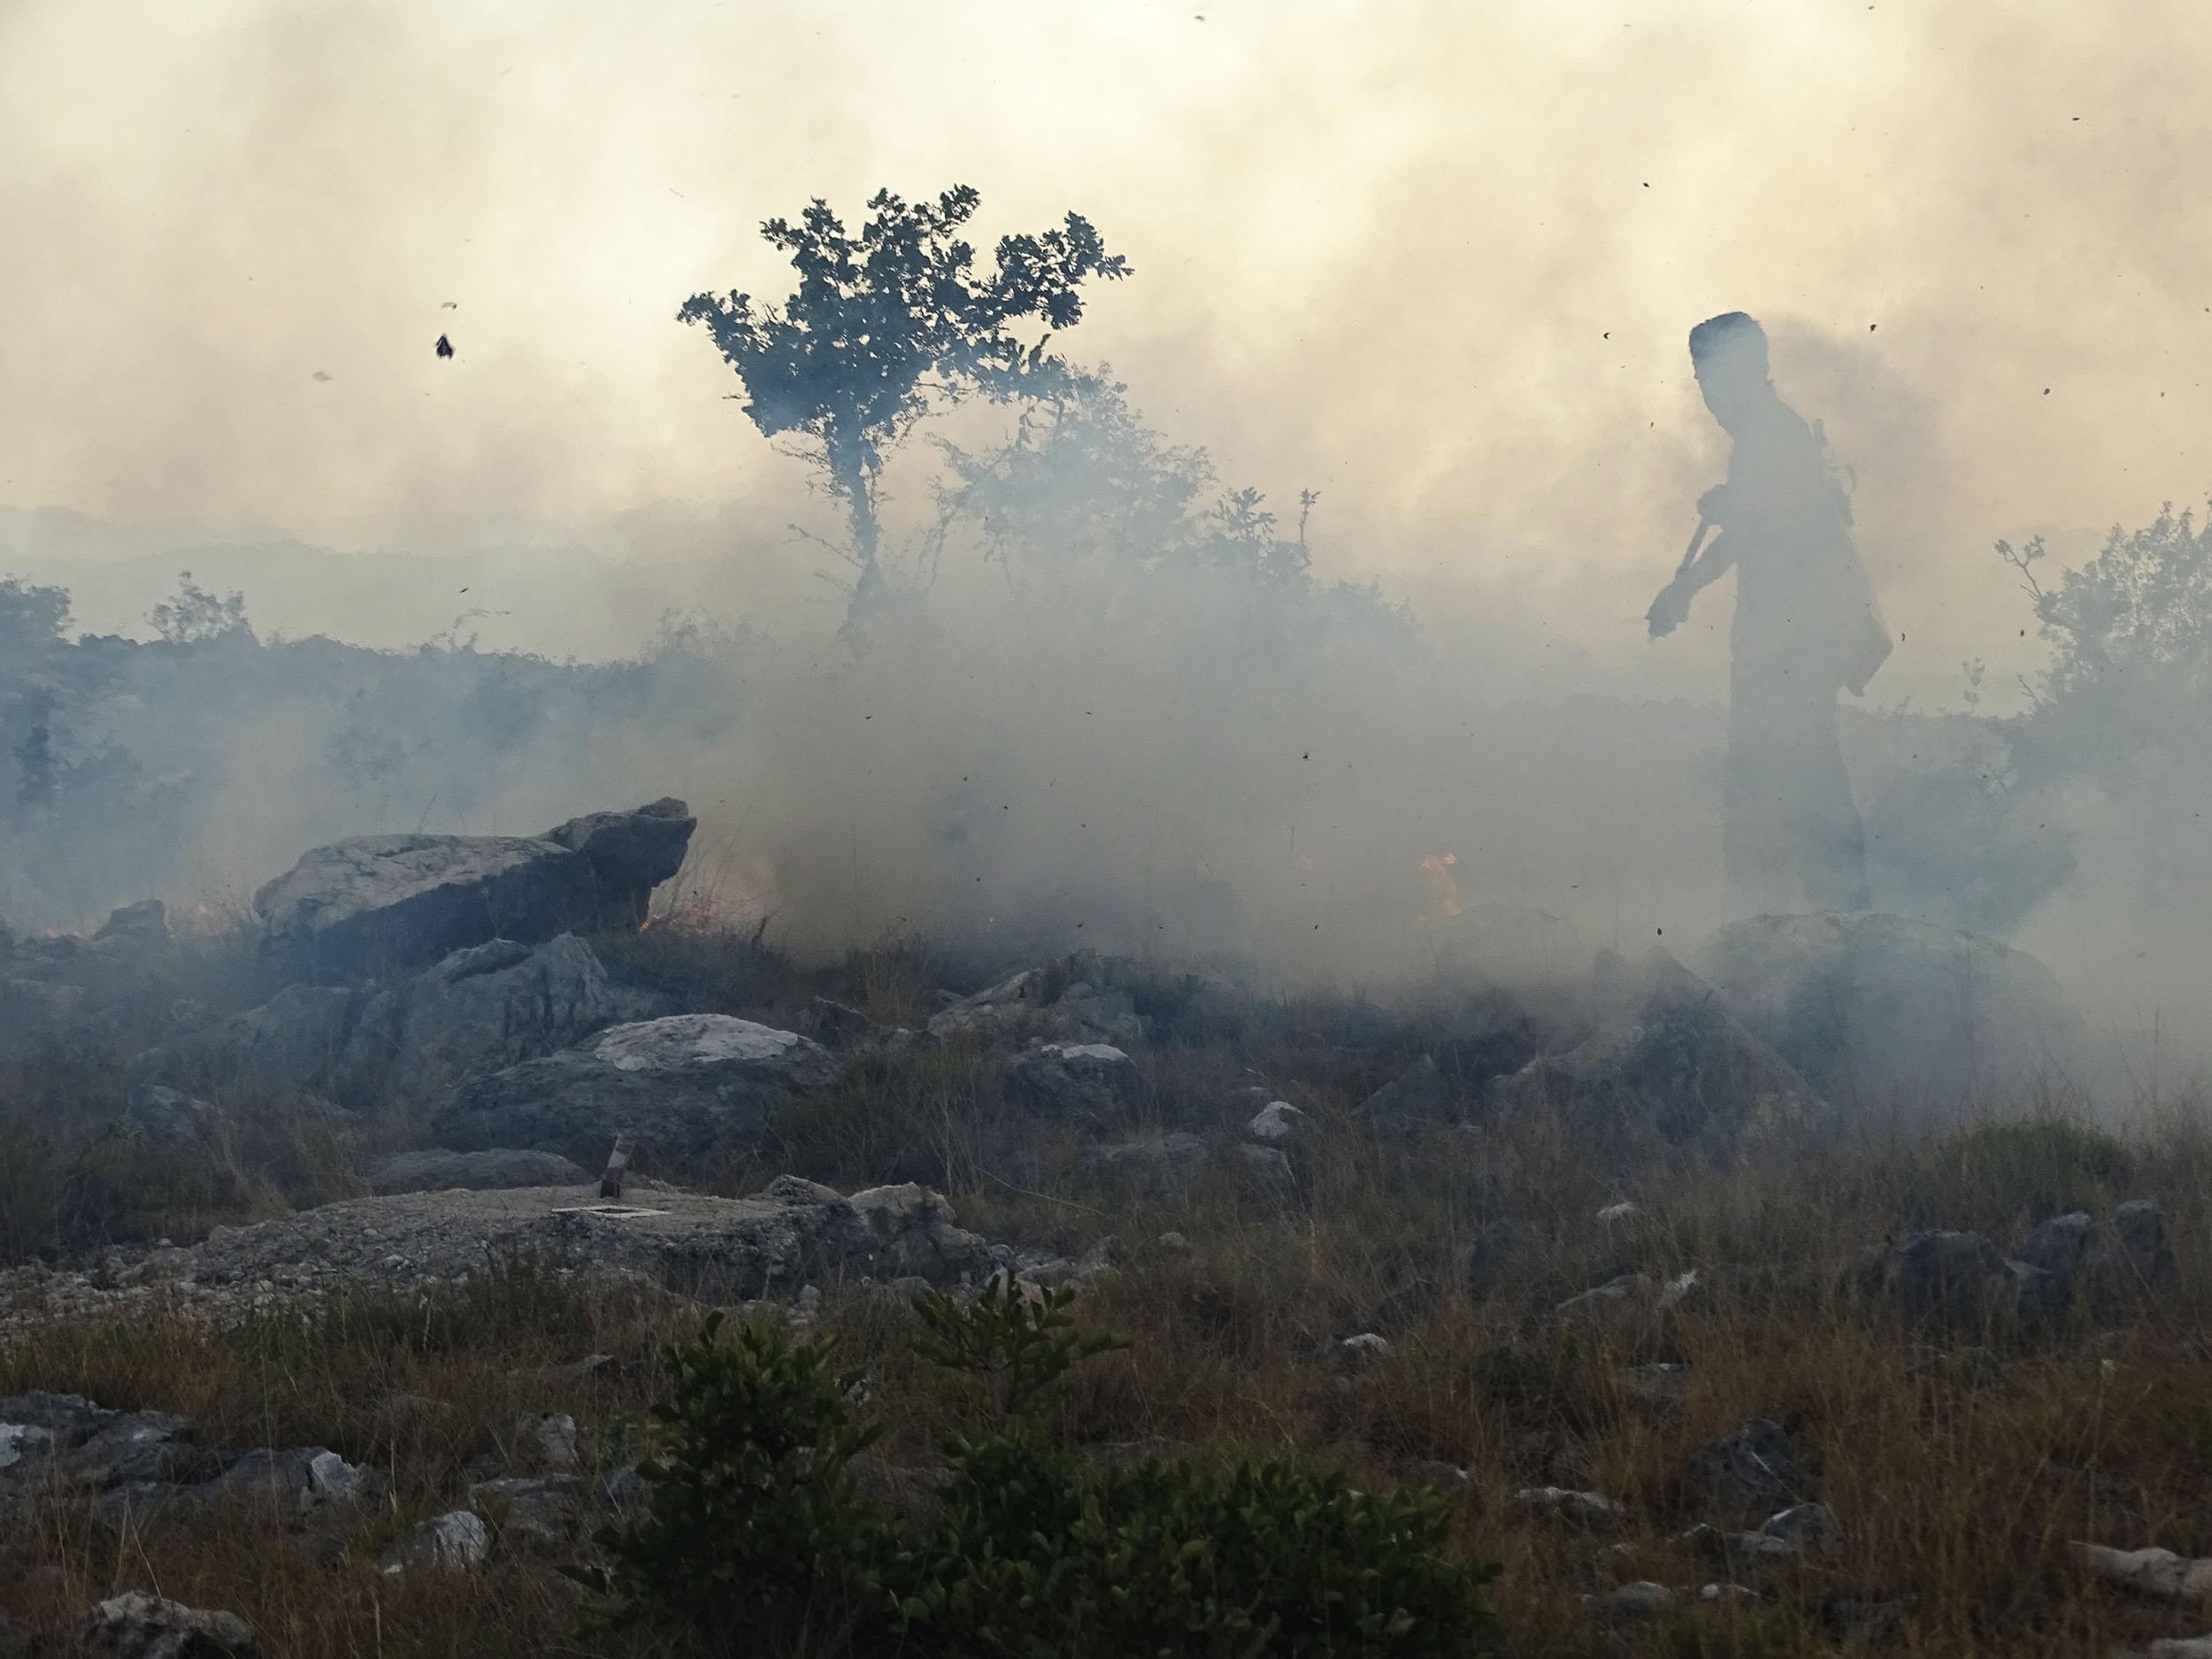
(851, 480)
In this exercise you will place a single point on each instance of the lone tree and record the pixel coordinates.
(887, 322)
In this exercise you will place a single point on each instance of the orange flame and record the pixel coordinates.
(1436, 870)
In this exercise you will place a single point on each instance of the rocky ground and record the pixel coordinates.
(1711, 1290)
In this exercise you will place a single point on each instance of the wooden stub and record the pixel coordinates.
(617, 1164)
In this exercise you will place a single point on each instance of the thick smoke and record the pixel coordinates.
(1438, 266)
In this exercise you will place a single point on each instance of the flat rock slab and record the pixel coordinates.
(726, 1250)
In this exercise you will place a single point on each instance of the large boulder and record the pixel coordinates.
(115, 990)
(294, 1041)
(385, 903)
(905, 1231)
(689, 1087)
(2066, 1262)
(1081, 1079)
(630, 854)
(1672, 1060)
(170, 1117)
(1883, 1011)
(1163, 1167)
(388, 903)
(1418, 1095)
(479, 1009)
(1957, 1277)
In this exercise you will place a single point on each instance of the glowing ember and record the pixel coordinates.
(1436, 870)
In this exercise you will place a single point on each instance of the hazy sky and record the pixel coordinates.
(1435, 259)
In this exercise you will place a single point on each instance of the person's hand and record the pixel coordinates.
(1712, 506)
(1668, 610)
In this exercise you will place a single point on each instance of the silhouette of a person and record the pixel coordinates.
(1806, 624)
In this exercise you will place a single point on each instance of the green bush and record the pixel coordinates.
(750, 1505)
(1036, 1555)
(1016, 1343)
(1043, 1557)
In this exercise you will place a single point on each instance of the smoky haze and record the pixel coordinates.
(1435, 262)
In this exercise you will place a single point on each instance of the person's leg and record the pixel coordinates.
(1759, 853)
(1830, 853)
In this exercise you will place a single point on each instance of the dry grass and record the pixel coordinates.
(1957, 1485)
(1958, 1491)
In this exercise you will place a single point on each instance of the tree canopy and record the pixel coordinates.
(888, 321)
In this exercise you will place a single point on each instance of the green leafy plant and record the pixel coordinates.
(1041, 1556)
(894, 320)
(750, 1504)
(1017, 1340)
(1036, 1554)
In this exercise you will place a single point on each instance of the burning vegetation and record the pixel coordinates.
(1084, 1170)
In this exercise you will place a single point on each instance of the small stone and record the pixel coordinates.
(548, 1441)
(1662, 1383)
(1367, 1346)
(1278, 1121)
(1643, 1599)
(578, 1372)
(400, 1409)
(1613, 1294)
(1754, 1467)
(1448, 1478)
(1584, 1509)
(141, 1626)
(1267, 1164)
(1747, 1551)
(456, 1541)
(1104, 1256)
(1810, 1527)
(2153, 1571)
(21, 1442)
(1613, 1558)
(542, 1511)
(332, 1480)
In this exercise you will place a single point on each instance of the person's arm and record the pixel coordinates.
(1705, 567)
(1711, 564)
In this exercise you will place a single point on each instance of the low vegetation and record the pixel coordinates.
(1225, 1476)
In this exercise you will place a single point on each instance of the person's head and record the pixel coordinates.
(1729, 353)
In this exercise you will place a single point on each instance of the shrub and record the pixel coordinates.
(1041, 1556)
(1036, 1554)
(750, 1506)
(1017, 1343)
